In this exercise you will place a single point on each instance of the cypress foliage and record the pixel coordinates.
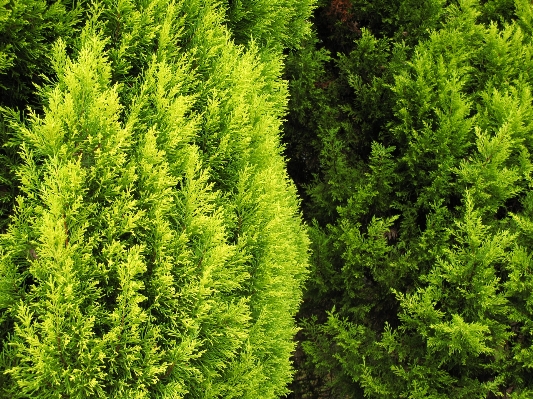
(156, 250)
(422, 204)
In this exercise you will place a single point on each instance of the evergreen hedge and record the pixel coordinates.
(155, 249)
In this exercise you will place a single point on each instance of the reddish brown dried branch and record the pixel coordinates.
(341, 9)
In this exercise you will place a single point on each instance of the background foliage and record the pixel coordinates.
(409, 136)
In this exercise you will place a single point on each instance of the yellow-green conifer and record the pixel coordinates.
(156, 249)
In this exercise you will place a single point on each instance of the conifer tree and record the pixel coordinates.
(421, 202)
(156, 250)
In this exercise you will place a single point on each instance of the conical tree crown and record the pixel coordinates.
(155, 250)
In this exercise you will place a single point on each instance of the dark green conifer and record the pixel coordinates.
(421, 201)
